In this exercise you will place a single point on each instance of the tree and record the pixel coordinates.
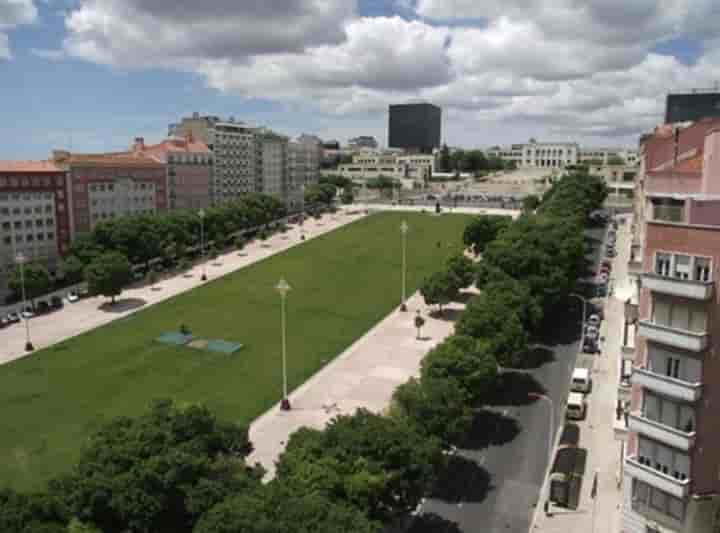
(36, 277)
(347, 195)
(108, 274)
(75, 526)
(419, 323)
(240, 242)
(484, 229)
(158, 472)
(462, 269)
(440, 288)
(438, 407)
(31, 513)
(377, 464)
(465, 360)
(531, 203)
(72, 269)
(152, 277)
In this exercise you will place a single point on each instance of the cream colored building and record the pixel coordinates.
(371, 164)
(538, 155)
(303, 162)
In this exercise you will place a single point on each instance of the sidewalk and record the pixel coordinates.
(365, 375)
(86, 314)
(597, 433)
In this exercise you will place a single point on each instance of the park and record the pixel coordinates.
(341, 285)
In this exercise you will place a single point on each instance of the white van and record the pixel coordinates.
(581, 380)
(575, 406)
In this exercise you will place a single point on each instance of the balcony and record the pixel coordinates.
(669, 484)
(679, 338)
(666, 385)
(697, 290)
(660, 432)
(668, 213)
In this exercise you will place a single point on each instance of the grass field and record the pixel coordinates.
(343, 283)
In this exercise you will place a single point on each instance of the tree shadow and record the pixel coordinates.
(121, 306)
(462, 480)
(447, 315)
(464, 297)
(433, 523)
(490, 429)
(515, 388)
(155, 288)
(536, 357)
(561, 325)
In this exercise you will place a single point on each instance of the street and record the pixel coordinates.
(493, 483)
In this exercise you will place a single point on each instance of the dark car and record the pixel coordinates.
(56, 302)
(601, 291)
(43, 307)
(590, 346)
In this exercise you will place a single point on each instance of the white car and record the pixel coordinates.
(27, 313)
(594, 320)
(72, 297)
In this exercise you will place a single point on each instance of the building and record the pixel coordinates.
(236, 154)
(415, 127)
(189, 165)
(538, 155)
(609, 156)
(34, 214)
(373, 164)
(107, 186)
(672, 461)
(700, 103)
(304, 157)
(363, 141)
(272, 163)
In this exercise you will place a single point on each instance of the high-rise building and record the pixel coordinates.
(272, 163)
(672, 461)
(34, 214)
(415, 127)
(304, 157)
(698, 104)
(106, 186)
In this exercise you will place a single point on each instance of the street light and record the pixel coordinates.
(403, 230)
(20, 259)
(302, 213)
(551, 405)
(283, 288)
(584, 319)
(201, 213)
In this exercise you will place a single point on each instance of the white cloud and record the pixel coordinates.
(14, 13)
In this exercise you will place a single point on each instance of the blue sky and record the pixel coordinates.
(473, 63)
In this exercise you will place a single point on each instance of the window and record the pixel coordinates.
(674, 415)
(702, 269)
(662, 264)
(682, 267)
(678, 315)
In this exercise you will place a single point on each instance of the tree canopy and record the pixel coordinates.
(108, 274)
(462, 268)
(36, 277)
(483, 230)
(439, 288)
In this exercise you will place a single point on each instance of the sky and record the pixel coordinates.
(90, 75)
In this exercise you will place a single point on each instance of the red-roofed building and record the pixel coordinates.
(34, 213)
(189, 164)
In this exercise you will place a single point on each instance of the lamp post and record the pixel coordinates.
(20, 259)
(201, 214)
(403, 231)
(302, 213)
(584, 319)
(551, 405)
(283, 288)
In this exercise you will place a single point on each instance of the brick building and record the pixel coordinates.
(672, 464)
(106, 186)
(34, 213)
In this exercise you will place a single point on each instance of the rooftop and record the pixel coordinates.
(107, 159)
(29, 166)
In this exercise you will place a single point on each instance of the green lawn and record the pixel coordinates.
(343, 283)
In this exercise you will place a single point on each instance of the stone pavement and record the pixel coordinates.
(364, 375)
(602, 513)
(86, 314)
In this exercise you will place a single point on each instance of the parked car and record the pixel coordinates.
(607, 263)
(610, 252)
(13, 317)
(591, 332)
(575, 406)
(594, 320)
(56, 302)
(603, 277)
(581, 380)
(28, 313)
(72, 297)
(590, 346)
(4, 322)
(601, 291)
(43, 307)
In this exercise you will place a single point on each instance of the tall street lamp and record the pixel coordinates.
(551, 406)
(283, 288)
(403, 231)
(20, 259)
(201, 214)
(302, 212)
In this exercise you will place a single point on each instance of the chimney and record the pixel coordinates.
(139, 145)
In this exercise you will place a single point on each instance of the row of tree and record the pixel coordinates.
(469, 161)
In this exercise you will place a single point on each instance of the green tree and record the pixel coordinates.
(36, 277)
(465, 360)
(377, 464)
(445, 162)
(462, 268)
(484, 229)
(347, 195)
(31, 513)
(108, 274)
(439, 289)
(72, 269)
(158, 472)
(437, 407)
(75, 526)
(531, 203)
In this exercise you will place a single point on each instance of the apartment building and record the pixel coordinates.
(538, 154)
(672, 462)
(106, 186)
(189, 165)
(304, 156)
(34, 214)
(237, 156)
(272, 163)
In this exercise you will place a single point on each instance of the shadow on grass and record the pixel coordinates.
(433, 523)
(515, 388)
(490, 429)
(121, 306)
(462, 480)
(448, 315)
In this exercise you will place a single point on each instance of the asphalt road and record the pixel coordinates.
(493, 483)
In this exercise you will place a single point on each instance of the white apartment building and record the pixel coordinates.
(28, 225)
(538, 155)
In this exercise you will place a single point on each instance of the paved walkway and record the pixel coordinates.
(364, 375)
(597, 435)
(514, 213)
(86, 314)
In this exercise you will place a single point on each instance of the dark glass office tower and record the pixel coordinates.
(415, 127)
(692, 106)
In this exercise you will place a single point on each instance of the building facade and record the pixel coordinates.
(34, 214)
(107, 186)
(373, 164)
(672, 462)
(609, 156)
(189, 165)
(272, 163)
(304, 158)
(692, 106)
(538, 155)
(415, 127)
